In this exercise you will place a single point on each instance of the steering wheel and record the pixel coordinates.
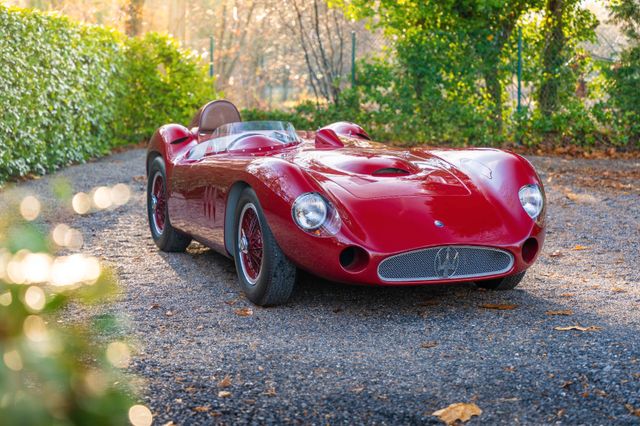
(239, 138)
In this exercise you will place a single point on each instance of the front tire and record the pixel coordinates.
(266, 276)
(505, 283)
(166, 237)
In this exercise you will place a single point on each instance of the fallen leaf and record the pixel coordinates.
(633, 410)
(579, 247)
(169, 423)
(357, 389)
(567, 295)
(200, 327)
(190, 389)
(225, 383)
(461, 411)
(202, 408)
(498, 306)
(565, 312)
(154, 306)
(140, 178)
(427, 345)
(224, 394)
(244, 312)
(578, 328)
(581, 198)
(618, 290)
(556, 253)
(169, 313)
(270, 391)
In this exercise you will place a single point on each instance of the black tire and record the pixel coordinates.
(276, 276)
(506, 283)
(166, 237)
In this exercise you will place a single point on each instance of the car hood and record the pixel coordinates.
(369, 174)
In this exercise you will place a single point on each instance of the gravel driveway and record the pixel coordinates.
(339, 354)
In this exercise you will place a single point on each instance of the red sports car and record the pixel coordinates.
(340, 206)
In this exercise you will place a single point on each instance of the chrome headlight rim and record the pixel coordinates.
(330, 223)
(309, 197)
(532, 200)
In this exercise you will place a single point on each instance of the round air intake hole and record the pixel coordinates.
(354, 259)
(529, 250)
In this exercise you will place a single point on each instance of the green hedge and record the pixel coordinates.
(69, 91)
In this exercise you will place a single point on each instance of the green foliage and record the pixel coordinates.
(69, 92)
(52, 373)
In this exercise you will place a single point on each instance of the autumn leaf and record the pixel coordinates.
(578, 328)
(618, 290)
(556, 253)
(461, 411)
(579, 247)
(567, 295)
(169, 313)
(224, 394)
(499, 307)
(202, 408)
(225, 383)
(633, 410)
(244, 312)
(427, 345)
(565, 312)
(581, 198)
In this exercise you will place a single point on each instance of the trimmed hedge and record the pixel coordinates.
(69, 91)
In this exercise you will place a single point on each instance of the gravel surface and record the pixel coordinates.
(341, 354)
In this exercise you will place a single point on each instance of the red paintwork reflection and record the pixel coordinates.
(387, 199)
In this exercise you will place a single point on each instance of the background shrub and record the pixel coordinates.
(69, 92)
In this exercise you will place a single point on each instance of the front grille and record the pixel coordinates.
(445, 263)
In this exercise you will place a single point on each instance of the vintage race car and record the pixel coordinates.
(340, 206)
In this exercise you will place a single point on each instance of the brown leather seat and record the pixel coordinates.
(215, 114)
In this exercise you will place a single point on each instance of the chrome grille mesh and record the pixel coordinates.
(445, 263)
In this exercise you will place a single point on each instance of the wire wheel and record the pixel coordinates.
(250, 243)
(158, 203)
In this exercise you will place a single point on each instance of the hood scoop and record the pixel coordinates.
(379, 166)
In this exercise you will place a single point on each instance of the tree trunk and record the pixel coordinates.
(552, 58)
(133, 23)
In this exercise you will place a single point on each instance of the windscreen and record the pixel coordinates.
(280, 130)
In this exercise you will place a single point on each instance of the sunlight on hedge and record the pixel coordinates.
(70, 92)
(52, 369)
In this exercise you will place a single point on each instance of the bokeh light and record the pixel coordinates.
(74, 269)
(102, 197)
(12, 360)
(120, 194)
(35, 267)
(6, 298)
(30, 208)
(139, 415)
(35, 298)
(35, 328)
(118, 354)
(81, 203)
(65, 236)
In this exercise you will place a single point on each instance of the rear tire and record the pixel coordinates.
(266, 276)
(506, 283)
(166, 237)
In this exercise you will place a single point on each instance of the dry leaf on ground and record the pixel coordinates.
(427, 345)
(618, 290)
(579, 247)
(202, 409)
(565, 312)
(225, 383)
(498, 306)
(581, 198)
(461, 411)
(169, 313)
(578, 328)
(556, 253)
(224, 394)
(567, 295)
(633, 410)
(244, 312)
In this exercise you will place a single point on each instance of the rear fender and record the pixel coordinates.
(170, 141)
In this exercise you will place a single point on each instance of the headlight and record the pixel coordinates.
(310, 211)
(532, 200)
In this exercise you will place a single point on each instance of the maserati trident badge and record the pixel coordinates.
(446, 262)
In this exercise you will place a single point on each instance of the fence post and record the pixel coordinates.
(519, 70)
(211, 56)
(353, 58)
